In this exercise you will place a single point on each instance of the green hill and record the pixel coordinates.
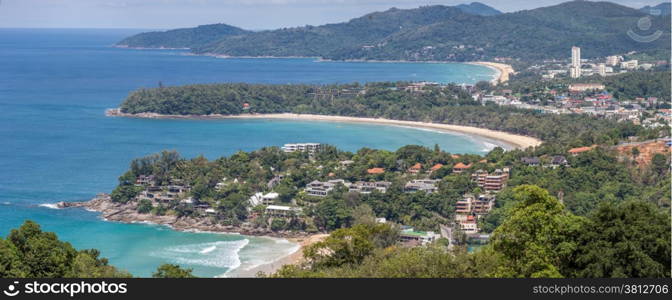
(182, 38)
(446, 33)
(477, 8)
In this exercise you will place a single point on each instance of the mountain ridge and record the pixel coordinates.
(445, 33)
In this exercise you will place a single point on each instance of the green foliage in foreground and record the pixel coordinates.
(537, 239)
(29, 252)
(172, 271)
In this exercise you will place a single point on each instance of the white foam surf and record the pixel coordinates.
(221, 254)
(50, 205)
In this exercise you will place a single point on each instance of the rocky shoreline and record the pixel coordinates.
(127, 213)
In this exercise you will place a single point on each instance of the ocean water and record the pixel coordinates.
(57, 145)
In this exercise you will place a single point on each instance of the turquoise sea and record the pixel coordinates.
(57, 145)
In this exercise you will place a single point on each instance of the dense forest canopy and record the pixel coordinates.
(436, 32)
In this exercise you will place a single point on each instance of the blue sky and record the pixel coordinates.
(249, 14)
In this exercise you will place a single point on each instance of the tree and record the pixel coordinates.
(659, 164)
(630, 239)
(30, 252)
(172, 271)
(10, 263)
(145, 206)
(537, 237)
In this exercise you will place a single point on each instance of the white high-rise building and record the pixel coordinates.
(602, 69)
(575, 69)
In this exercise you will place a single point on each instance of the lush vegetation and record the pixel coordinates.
(172, 271)
(538, 238)
(182, 38)
(28, 252)
(438, 104)
(591, 178)
(439, 33)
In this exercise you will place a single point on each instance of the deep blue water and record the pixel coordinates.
(57, 145)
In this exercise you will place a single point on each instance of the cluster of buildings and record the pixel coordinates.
(588, 98)
(610, 65)
(156, 193)
(554, 161)
(470, 208)
(318, 188)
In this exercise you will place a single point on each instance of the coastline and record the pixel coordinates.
(502, 75)
(293, 258)
(516, 141)
(503, 70)
(127, 213)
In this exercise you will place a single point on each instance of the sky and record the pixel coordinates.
(248, 14)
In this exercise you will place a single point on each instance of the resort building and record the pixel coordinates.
(424, 185)
(472, 205)
(491, 182)
(318, 188)
(322, 188)
(558, 161)
(408, 235)
(145, 180)
(282, 211)
(496, 181)
(366, 187)
(469, 225)
(531, 161)
(582, 87)
(311, 148)
(479, 177)
(630, 65)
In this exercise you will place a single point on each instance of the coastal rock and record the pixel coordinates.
(127, 213)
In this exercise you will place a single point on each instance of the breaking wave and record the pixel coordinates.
(221, 254)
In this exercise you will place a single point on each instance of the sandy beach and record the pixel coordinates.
(293, 258)
(516, 141)
(504, 70)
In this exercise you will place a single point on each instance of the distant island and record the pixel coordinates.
(472, 32)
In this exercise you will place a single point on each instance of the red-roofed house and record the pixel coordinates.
(460, 167)
(375, 171)
(416, 168)
(579, 150)
(436, 167)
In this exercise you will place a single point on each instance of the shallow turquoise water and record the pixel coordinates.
(57, 145)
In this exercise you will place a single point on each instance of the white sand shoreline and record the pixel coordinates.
(503, 70)
(293, 258)
(517, 141)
